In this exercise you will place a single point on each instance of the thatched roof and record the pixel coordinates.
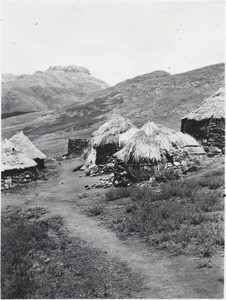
(12, 158)
(109, 132)
(125, 137)
(152, 142)
(26, 146)
(212, 107)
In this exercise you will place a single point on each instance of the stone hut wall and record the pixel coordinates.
(76, 147)
(210, 132)
(11, 178)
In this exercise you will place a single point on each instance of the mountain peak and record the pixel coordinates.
(71, 68)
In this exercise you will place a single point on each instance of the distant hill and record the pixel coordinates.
(42, 91)
(156, 96)
(162, 97)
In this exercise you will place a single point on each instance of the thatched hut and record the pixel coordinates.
(207, 122)
(153, 145)
(23, 143)
(104, 142)
(15, 164)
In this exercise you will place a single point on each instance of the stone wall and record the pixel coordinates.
(76, 147)
(166, 170)
(12, 178)
(210, 133)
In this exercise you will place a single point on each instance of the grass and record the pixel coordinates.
(96, 210)
(40, 260)
(181, 216)
(117, 193)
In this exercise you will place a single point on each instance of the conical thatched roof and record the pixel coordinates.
(212, 107)
(125, 137)
(109, 132)
(153, 142)
(12, 158)
(23, 143)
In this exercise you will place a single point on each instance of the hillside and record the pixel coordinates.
(162, 97)
(157, 96)
(51, 89)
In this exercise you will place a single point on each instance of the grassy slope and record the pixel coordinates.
(39, 260)
(182, 216)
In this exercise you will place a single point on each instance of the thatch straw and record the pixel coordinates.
(23, 143)
(212, 107)
(109, 132)
(125, 137)
(152, 143)
(12, 158)
(91, 160)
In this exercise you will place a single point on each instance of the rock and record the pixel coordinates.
(47, 261)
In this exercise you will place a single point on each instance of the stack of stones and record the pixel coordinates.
(76, 147)
(102, 183)
(101, 169)
(121, 176)
(124, 175)
(8, 182)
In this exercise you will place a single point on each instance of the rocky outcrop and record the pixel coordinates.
(71, 68)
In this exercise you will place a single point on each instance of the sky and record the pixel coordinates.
(115, 40)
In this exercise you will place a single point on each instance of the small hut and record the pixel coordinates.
(16, 166)
(155, 145)
(104, 142)
(207, 122)
(23, 143)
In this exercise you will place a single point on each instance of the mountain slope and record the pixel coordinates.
(54, 88)
(157, 96)
(162, 97)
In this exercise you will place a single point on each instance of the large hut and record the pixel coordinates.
(23, 143)
(105, 141)
(15, 166)
(154, 145)
(207, 122)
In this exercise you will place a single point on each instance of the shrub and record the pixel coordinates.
(96, 210)
(163, 174)
(117, 193)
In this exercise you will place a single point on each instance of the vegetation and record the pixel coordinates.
(181, 216)
(96, 210)
(39, 260)
(117, 193)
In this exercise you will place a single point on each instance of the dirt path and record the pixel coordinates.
(164, 276)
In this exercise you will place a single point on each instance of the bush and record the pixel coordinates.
(117, 193)
(164, 174)
(96, 210)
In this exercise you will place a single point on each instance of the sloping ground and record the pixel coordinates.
(162, 97)
(164, 276)
(156, 96)
(41, 91)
